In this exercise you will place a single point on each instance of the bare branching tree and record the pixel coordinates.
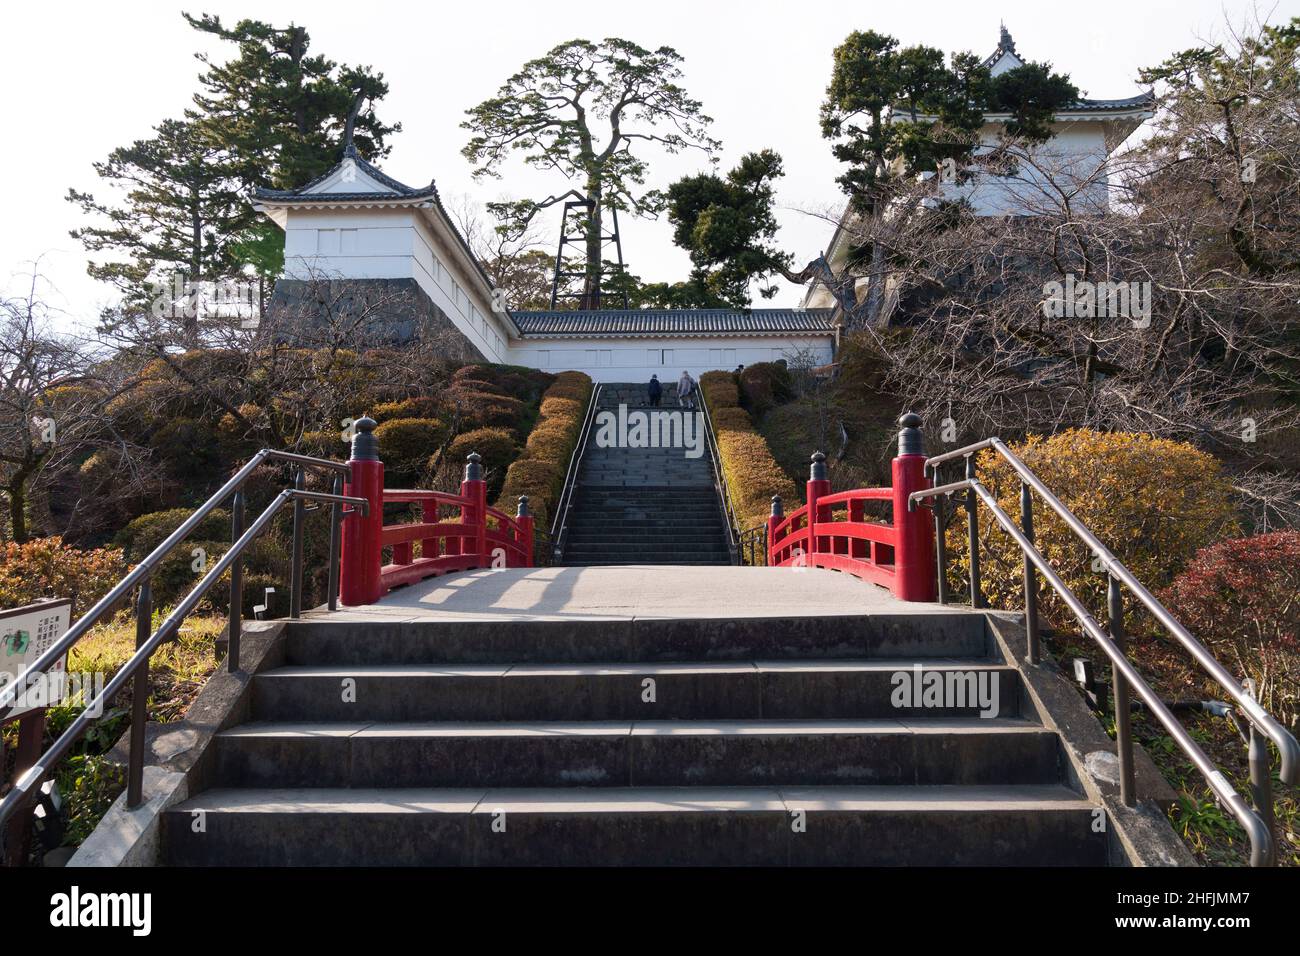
(54, 417)
(1173, 313)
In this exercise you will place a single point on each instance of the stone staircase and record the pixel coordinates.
(762, 741)
(644, 505)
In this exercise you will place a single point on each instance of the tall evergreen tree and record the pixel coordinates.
(178, 215)
(275, 115)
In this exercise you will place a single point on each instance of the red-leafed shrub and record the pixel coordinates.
(47, 568)
(1241, 597)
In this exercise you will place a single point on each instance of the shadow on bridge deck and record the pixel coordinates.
(633, 591)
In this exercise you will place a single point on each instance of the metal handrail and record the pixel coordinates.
(720, 482)
(150, 562)
(560, 518)
(754, 543)
(136, 667)
(1257, 825)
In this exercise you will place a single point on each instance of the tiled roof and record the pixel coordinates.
(398, 190)
(619, 322)
(1141, 101)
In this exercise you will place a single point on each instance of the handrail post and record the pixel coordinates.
(299, 530)
(474, 488)
(139, 698)
(363, 535)
(524, 520)
(774, 519)
(236, 625)
(973, 534)
(1031, 575)
(818, 486)
(1261, 777)
(1123, 717)
(913, 539)
(336, 522)
(941, 545)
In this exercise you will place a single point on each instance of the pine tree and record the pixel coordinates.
(273, 116)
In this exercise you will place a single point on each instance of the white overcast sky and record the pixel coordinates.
(83, 78)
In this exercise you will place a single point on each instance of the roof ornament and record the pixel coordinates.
(1007, 44)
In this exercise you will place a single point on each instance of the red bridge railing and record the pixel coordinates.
(455, 532)
(832, 530)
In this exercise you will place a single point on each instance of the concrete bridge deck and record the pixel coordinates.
(625, 592)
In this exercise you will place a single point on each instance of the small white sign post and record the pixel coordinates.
(25, 634)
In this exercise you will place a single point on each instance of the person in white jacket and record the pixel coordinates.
(686, 391)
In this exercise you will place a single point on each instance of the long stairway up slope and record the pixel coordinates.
(704, 741)
(644, 505)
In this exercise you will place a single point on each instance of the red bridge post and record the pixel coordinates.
(474, 488)
(774, 519)
(362, 555)
(818, 487)
(914, 576)
(525, 522)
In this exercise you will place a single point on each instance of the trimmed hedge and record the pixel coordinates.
(539, 472)
(407, 408)
(752, 474)
(143, 534)
(405, 444)
(496, 446)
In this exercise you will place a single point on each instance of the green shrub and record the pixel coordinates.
(496, 446)
(405, 445)
(752, 474)
(539, 472)
(487, 410)
(323, 444)
(187, 448)
(88, 785)
(541, 481)
(763, 386)
(47, 568)
(552, 440)
(1152, 501)
(562, 407)
(516, 381)
(407, 408)
(141, 535)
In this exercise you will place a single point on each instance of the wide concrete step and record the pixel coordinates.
(620, 562)
(666, 556)
(620, 509)
(632, 546)
(640, 753)
(648, 551)
(637, 691)
(668, 495)
(863, 826)
(664, 536)
(650, 519)
(918, 636)
(640, 519)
